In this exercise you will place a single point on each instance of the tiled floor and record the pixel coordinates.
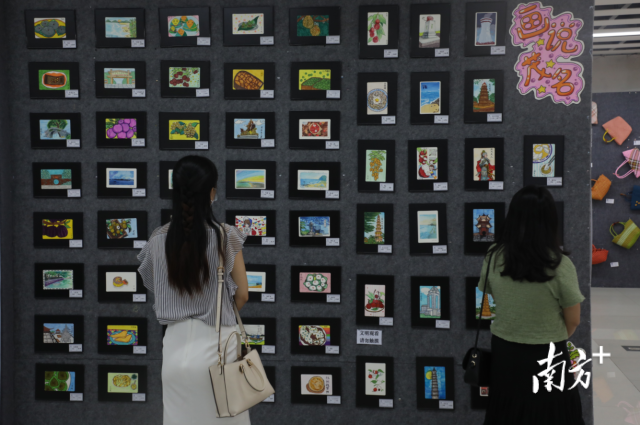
(615, 321)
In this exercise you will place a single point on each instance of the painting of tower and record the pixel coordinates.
(435, 387)
(374, 230)
(484, 95)
(486, 307)
(378, 236)
(430, 302)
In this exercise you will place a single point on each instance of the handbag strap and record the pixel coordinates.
(612, 231)
(622, 165)
(484, 292)
(604, 137)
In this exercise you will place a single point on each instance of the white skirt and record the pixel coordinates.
(189, 348)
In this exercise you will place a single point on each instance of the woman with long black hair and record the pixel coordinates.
(179, 265)
(535, 289)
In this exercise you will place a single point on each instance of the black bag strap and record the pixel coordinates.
(484, 292)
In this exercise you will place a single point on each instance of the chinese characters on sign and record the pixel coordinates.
(371, 337)
(546, 67)
(549, 372)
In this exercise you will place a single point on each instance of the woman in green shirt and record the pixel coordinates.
(537, 301)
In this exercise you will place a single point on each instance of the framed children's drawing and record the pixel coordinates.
(120, 28)
(314, 228)
(316, 284)
(165, 216)
(258, 225)
(482, 225)
(121, 129)
(185, 78)
(428, 229)
(314, 129)
(483, 92)
(166, 179)
(377, 98)
(314, 384)
(184, 26)
(50, 29)
(314, 180)
(429, 98)
(374, 228)
(376, 165)
(476, 308)
(314, 26)
(314, 80)
(56, 334)
(54, 80)
(251, 179)
(121, 79)
(55, 130)
(243, 81)
(122, 383)
(311, 335)
(184, 130)
(430, 29)
(262, 280)
(250, 130)
(260, 331)
(434, 382)
(378, 28)
(121, 335)
(120, 284)
(55, 179)
(374, 299)
(248, 26)
(430, 302)
(483, 163)
(56, 280)
(427, 165)
(543, 160)
(122, 179)
(59, 381)
(374, 381)
(121, 229)
(485, 28)
(57, 230)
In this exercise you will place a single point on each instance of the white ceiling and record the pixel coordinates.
(616, 28)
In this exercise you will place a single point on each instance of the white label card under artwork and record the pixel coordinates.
(385, 249)
(268, 240)
(268, 349)
(332, 144)
(390, 53)
(137, 43)
(498, 50)
(270, 399)
(440, 187)
(75, 243)
(334, 399)
(139, 298)
(554, 181)
(202, 145)
(615, 264)
(68, 44)
(72, 94)
(610, 201)
(333, 241)
(385, 402)
(496, 185)
(138, 397)
(267, 94)
(75, 348)
(333, 94)
(139, 244)
(138, 143)
(497, 117)
(268, 298)
(386, 321)
(203, 41)
(332, 194)
(332, 349)
(445, 404)
(267, 143)
(333, 298)
(386, 187)
(75, 293)
(441, 119)
(333, 39)
(270, 194)
(76, 397)
(73, 143)
(202, 92)
(73, 193)
(439, 249)
(138, 193)
(266, 40)
(443, 324)
(369, 337)
(389, 119)
(139, 93)
(442, 53)
(139, 349)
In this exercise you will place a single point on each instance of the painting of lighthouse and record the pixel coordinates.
(429, 31)
(486, 28)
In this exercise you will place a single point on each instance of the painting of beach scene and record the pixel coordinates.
(257, 281)
(251, 179)
(122, 178)
(429, 97)
(313, 179)
(120, 27)
(428, 227)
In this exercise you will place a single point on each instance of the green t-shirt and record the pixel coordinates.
(531, 312)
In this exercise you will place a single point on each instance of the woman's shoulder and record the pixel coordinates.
(159, 231)
(565, 266)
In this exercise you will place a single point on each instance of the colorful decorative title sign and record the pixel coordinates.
(551, 41)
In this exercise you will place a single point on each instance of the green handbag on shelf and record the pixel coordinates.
(629, 235)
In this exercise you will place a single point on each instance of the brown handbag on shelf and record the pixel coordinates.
(618, 129)
(600, 188)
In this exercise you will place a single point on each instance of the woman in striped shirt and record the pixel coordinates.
(179, 265)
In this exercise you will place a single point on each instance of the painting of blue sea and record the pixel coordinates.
(122, 178)
(429, 97)
(257, 281)
(251, 179)
(313, 179)
(428, 227)
(435, 384)
(119, 27)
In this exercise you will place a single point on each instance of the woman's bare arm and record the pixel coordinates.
(239, 275)
(571, 318)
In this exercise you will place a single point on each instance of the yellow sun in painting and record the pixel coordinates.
(428, 375)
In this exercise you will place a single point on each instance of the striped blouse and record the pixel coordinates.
(170, 306)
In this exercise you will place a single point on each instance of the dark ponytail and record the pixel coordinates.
(188, 235)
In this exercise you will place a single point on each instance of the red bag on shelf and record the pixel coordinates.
(598, 255)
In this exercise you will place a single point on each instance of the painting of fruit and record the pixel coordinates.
(376, 25)
(50, 28)
(184, 26)
(312, 26)
(57, 229)
(375, 299)
(184, 77)
(377, 166)
(121, 128)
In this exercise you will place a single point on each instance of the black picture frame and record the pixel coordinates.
(74, 133)
(102, 41)
(250, 141)
(269, 82)
(480, 117)
(481, 247)
(105, 296)
(471, 283)
(470, 164)
(296, 141)
(269, 330)
(104, 191)
(35, 42)
(204, 26)
(429, 49)
(335, 328)
(426, 248)
(363, 164)
(269, 168)
(255, 240)
(417, 79)
(56, 93)
(377, 51)
(317, 297)
(296, 240)
(38, 274)
(103, 380)
(269, 282)
(417, 321)
(361, 209)
(166, 192)
(369, 279)
(334, 179)
(310, 40)
(164, 135)
(362, 399)
(296, 384)
(426, 185)
(478, 401)
(270, 371)
(391, 79)
(38, 237)
(165, 216)
(41, 379)
(560, 212)
(102, 335)
(421, 364)
(124, 243)
(55, 180)
(470, 47)
(40, 335)
(557, 156)
(176, 91)
(140, 81)
(102, 136)
(314, 93)
(231, 39)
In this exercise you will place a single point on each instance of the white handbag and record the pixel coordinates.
(242, 383)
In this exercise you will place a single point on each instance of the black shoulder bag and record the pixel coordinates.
(477, 361)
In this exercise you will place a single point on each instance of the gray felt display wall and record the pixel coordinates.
(606, 158)
(523, 115)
